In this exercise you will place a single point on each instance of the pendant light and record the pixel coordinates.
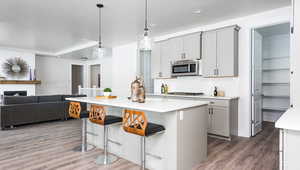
(146, 42)
(100, 48)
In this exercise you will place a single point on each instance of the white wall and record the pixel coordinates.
(29, 58)
(105, 70)
(55, 74)
(124, 68)
(8, 53)
(242, 83)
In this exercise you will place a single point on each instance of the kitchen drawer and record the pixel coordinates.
(214, 102)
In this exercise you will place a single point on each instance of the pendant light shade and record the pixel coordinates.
(145, 44)
(100, 48)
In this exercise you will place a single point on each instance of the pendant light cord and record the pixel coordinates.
(100, 30)
(146, 15)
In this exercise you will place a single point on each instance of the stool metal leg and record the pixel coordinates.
(84, 146)
(143, 152)
(106, 158)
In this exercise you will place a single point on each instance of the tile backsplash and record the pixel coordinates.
(199, 84)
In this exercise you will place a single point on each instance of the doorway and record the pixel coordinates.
(95, 76)
(77, 77)
(270, 74)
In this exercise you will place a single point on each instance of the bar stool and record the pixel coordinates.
(136, 122)
(98, 116)
(76, 113)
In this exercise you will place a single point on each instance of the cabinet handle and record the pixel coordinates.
(182, 55)
(212, 111)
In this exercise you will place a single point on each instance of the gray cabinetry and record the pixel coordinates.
(186, 47)
(219, 118)
(222, 115)
(220, 52)
(209, 53)
(191, 47)
(166, 58)
(155, 61)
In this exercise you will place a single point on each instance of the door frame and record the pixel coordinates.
(71, 81)
(251, 68)
(89, 71)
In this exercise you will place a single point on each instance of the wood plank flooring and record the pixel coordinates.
(48, 146)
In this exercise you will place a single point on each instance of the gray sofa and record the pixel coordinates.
(21, 110)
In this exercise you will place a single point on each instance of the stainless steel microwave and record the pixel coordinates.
(186, 68)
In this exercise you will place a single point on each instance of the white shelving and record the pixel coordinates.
(276, 69)
(275, 76)
(275, 109)
(275, 58)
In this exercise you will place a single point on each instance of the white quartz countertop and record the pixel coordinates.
(161, 105)
(289, 120)
(189, 96)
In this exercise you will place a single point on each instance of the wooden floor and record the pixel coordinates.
(48, 146)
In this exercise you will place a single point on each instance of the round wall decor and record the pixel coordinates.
(15, 67)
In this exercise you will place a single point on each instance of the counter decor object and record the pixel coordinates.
(107, 92)
(30, 74)
(138, 91)
(216, 92)
(221, 93)
(106, 97)
(162, 89)
(15, 67)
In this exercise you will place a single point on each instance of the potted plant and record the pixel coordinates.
(107, 92)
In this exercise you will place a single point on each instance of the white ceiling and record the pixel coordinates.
(52, 26)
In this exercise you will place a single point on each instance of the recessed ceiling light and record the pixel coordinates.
(152, 25)
(197, 11)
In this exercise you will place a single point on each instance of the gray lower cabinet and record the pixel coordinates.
(220, 52)
(222, 118)
(219, 121)
(222, 115)
(289, 149)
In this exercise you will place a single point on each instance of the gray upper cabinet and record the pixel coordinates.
(155, 61)
(166, 57)
(192, 47)
(220, 52)
(209, 53)
(186, 47)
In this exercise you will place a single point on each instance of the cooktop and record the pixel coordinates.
(186, 93)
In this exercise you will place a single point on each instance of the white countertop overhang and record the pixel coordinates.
(189, 96)
(161, 105)
(289, 120)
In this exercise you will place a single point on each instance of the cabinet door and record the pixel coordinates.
(191, 46)
(166, 58)
(220, 121)
(209, 126)
(155, 61)
(227, 52)
(176, 45)
(209, 53)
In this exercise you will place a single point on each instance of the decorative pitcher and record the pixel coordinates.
(138, 91)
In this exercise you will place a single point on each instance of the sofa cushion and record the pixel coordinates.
(51, 98)
(68, 96)
(20, 99)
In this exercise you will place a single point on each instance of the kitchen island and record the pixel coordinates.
(180, 147)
